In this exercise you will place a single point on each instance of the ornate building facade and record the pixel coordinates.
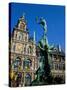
(57, 63)
(23, 60)
(24, 57)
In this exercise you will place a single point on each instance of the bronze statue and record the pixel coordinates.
(43, 73)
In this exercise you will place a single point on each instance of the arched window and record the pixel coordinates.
(18, 80)
(19, 36)
(25, 49)
(56, 67)
(63, 66)
(27, 79)
(16, 64)
(30, 50)
(27, 64)
(60, 66)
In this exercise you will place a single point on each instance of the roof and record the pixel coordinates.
(57, 50)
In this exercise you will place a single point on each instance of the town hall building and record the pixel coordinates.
(23, 60)
(24, 55)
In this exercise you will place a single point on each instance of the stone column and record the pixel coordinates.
(22, 65)
(33, 64)
(24, 79)
(32, 76)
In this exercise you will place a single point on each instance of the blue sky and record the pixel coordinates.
(54, 16)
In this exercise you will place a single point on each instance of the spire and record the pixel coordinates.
(22, 17)
(59, 47)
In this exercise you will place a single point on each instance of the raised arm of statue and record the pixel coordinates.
(42, 22)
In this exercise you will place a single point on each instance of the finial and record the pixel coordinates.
(59, 47)
(22, 17)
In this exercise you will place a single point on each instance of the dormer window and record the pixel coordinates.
(19, 36)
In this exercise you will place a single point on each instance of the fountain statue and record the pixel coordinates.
(43, 73)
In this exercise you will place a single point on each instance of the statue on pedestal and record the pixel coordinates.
(43, 73)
